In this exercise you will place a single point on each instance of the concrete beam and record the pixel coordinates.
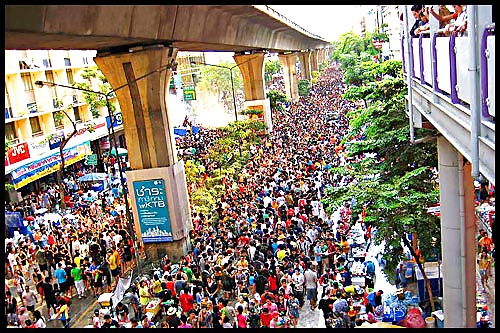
(186, 27)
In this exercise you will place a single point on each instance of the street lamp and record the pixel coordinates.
(232, 88)
(232, 81)
(171, 65)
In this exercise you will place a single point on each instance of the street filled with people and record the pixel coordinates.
(272, 259)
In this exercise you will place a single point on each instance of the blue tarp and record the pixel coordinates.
(184, 130)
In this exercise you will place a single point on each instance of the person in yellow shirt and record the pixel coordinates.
(281, 253)
(157, 288)
(484, 261)
(113, 266)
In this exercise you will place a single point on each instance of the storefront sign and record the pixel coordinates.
(56, 139)
(117, 120)
(152, 209)
(27, 173)
(38, 146)
(18, 153)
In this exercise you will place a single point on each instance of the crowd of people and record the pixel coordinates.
(272, 251)
(79, 252)
(272, 246)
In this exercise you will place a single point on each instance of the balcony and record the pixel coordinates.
(442, 91)
(8, 112)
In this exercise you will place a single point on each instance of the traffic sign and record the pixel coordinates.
(91, 159)
(189, 93)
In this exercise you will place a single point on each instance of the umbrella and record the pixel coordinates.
(52, 217)
(70, 217)
(121, 151)
(341, 305)
(29, 218)
(40, 211)
(92, 177)
(379, 324)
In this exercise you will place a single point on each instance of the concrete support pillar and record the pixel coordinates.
(252, 70)
(151, 147)
(451, 233)
(469, 248)
(314, 60)
(289, 64)
(305, 65)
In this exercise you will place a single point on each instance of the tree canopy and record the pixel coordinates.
(392, 181)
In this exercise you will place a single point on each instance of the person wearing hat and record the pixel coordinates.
(171, 317)
(96, 320)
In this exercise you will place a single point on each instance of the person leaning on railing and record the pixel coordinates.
(458, 24)
(425, 25)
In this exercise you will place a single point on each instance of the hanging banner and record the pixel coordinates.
(38, 146)
(27, 173)
(56, 139)
(152, 209)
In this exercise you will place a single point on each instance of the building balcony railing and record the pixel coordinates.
(8, 112)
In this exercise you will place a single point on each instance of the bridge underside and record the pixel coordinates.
(187, 28)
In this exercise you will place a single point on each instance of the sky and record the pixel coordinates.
(327, 21)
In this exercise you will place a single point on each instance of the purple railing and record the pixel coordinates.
(411, 55)
(421, 58)
(434, 61)
(403, 52)
(489, 30)
(453, 71)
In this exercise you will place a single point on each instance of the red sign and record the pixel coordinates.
(18, 153)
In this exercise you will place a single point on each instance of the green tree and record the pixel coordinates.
(60, 172)
(276, 100)
(395, 187)
(8, 186)
(218, 80)
(93, 75)
(271, 67)
(303, 87)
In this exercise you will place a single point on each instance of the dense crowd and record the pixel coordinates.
(272, 251)
(272, 245)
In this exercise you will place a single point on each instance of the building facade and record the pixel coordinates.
(34, 116)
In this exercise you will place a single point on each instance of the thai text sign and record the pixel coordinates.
(152, 209)
(37, 169)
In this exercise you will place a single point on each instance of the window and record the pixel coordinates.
(76, 111)
(47, 64)
(49, 76)
(28, 84)
(58, 119)
(10, 132)
(69, 75)
(67, 62)
(8, 109)
(35, 125)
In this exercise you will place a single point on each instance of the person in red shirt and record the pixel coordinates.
(186, 301)
(265, 318)
(170, 285)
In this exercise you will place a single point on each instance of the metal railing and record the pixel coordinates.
(290, 22)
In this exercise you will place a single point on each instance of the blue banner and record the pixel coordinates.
(55, 140)
(152, 208)
(25, 174)
(117, 120)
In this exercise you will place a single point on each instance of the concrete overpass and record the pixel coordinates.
(187, 28)
(136, 50)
